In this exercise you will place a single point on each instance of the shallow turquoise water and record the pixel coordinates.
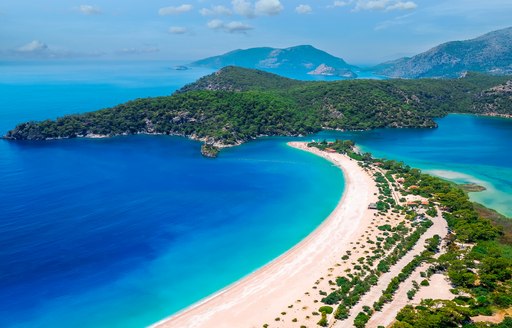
(465, 148)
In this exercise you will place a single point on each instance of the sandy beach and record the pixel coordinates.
(279, 287)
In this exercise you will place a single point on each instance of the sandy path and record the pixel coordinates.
(439, 288)
(388, 312)
(259, 297)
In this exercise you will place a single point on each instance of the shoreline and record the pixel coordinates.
(257, 298)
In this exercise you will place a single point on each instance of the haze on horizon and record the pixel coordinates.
(359, 31)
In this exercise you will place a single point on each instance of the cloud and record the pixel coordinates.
(174, 10)
(303, 9)
(244, 8)
(178, 30)
(215, 11)
(89, 10)
(408, 5)
(259, 8)
(231, 27)
(38, 49)
(375, 5)
(268, 7)
(384, 5)
(237, 27)
(371, 5)
(33, 47)
(215, 24)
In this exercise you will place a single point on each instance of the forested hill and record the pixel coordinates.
(234, 78)
(235, 105)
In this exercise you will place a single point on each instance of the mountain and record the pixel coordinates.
(489, 53)
(297, 60)
(235, 105)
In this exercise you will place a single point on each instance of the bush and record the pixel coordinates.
(424, 282)
(361, 320)
(411, 293)
(367, 309)
(332, 298)
(326, 309)
(383, 266)
(342, 281)
(323, 322)
(341, 312)
(385, 227)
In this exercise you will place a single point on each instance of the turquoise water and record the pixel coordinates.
(464, 149)
(122, 232)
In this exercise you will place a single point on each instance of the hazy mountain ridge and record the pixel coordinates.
(304, 59)
(490, 53)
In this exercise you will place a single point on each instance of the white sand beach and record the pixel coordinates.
(279, 286)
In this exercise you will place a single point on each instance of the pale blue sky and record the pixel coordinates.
(360, 31)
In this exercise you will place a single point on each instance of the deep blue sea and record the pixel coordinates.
(122, 232)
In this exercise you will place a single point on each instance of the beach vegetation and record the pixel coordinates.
(326, 309)
(477, 261)
(361, 320)
(323, 321)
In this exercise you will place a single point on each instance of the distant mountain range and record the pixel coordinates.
(490, 53)
(304, 59)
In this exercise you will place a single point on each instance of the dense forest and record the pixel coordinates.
(235, 105)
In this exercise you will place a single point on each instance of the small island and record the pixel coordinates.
(472, 187)
(209, 151)
(180, 68)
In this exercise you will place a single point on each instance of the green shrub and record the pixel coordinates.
(332, 298)
(341, 312)
(367, 309)
(326, 309)
(361, 320)
(323, 321)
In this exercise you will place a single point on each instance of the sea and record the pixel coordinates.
(122, 232)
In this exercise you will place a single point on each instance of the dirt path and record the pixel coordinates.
(390, 310)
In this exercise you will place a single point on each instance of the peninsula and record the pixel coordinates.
(235, 105)
(401, 249)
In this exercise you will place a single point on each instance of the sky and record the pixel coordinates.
(359, 31)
